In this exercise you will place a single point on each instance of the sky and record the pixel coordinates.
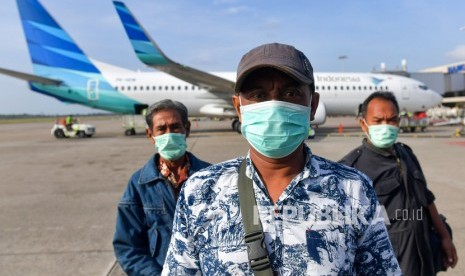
(212, 35)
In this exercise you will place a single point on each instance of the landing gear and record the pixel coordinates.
(236, 125)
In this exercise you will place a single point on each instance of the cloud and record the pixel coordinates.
(236, 10)
(458, 53)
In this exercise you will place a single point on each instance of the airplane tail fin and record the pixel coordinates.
(61, 69)
(50, 47)
(150, 53)
(146, 49)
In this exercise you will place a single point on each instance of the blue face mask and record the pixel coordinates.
(382, 136)
(275, 128)
(171, 146)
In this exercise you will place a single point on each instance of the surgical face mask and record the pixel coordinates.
(275, 128)
(382, 136)
(171, 146)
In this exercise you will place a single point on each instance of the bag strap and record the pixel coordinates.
(254, 237)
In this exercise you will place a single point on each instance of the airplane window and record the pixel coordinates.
(316, 87)
(186, 87)
(141, 88)
(135, 88)
(116, 88)
(342, 87)
(148, 88)
(129, 88)
(154, 88)
(323, 87)
(353, 88)
(166, 87)
(348, 88)
(160, 87)
(359, 88)
(335, 87)
(370, 88)
(423, 87)
(179, 87)
(364, 88)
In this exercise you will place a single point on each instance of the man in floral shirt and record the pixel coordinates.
(318, 217)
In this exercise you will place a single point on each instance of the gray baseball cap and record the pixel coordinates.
(282, 57)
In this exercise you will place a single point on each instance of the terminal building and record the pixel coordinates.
(449, 80)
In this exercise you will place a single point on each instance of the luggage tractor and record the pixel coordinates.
(75, 130)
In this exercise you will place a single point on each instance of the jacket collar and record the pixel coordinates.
(384, 153)
(150, 172)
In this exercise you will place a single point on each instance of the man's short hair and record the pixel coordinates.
(385, 95)
(164, 105)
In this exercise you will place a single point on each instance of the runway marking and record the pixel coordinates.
(457, 143)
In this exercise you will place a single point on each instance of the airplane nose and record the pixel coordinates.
(436, 97)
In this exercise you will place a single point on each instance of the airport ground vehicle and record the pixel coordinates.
(133, 123)
(412, 123)
(76, 130)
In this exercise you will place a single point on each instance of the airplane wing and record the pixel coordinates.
(149, 53)
(30, 77)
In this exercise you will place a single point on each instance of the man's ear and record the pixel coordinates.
(314, 105)
(149, 135)
(188, 128)
(363, 125)
(237, 105)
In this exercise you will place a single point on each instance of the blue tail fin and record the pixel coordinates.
(49, 45)
(146, 49)
(55, 56)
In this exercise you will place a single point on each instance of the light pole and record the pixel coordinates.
(342, 58)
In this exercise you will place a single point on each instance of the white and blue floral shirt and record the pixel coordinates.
(326, 222)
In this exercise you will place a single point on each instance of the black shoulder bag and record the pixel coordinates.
(254, 237)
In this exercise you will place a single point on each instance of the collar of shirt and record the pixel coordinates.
(311, 170)
(171, 176)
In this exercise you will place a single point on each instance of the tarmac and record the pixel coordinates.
(58, 197)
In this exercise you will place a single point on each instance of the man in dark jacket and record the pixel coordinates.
(146, 210)
(400, 186)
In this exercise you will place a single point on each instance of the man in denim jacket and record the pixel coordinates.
(146, 210)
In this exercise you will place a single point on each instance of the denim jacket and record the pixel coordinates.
(145, 218)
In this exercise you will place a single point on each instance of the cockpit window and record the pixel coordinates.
(423, 87)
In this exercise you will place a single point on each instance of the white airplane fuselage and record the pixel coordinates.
(341, 93)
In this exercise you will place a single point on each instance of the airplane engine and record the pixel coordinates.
(320, 115)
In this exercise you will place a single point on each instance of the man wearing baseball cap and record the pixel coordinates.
(314, 216)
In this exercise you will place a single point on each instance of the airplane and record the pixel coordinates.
(63, 71)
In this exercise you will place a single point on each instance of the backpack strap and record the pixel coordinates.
(254, 237)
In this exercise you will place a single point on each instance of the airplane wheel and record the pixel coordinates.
(59, 134)
(81, 134)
